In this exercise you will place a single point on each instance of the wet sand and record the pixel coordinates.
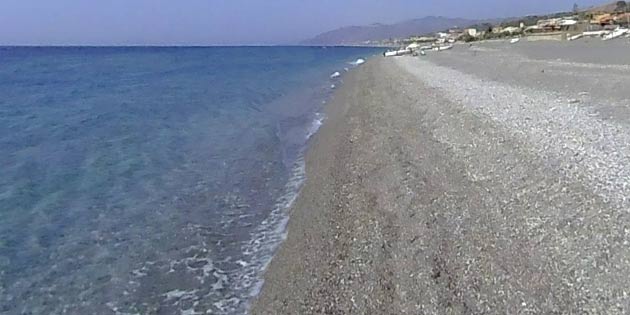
(459, 184)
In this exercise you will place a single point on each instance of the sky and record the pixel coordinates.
(228, 22)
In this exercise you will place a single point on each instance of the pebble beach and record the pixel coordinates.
(487, 179)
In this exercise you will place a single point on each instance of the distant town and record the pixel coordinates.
(608, 21)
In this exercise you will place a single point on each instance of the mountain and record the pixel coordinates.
(608, 7)
(604, 8)
(359, 34)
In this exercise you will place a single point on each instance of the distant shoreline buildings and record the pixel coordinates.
(561, 26)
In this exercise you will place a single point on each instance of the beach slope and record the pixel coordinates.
(434, 189)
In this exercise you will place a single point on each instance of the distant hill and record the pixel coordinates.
(609, 7)
(353, 35)
(359, 34)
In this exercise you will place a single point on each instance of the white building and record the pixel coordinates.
(472, 32)
(511, 30)
(442, 35)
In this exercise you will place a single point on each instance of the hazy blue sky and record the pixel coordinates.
(123, 22)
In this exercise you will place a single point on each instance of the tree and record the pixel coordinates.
(467, 38)
(576, 8)
(621, 6)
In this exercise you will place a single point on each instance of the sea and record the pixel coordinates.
(149, 180)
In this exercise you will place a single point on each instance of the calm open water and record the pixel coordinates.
(151, 180)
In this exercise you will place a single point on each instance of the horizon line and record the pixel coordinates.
(176, 46)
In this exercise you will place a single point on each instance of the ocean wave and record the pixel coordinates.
(317, 123)
(259, 252)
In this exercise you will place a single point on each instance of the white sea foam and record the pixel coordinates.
(270, 234)
(245, 281)
(317, 123)
(258, 252)
(179, 294)
(273, 231)
(358, 62)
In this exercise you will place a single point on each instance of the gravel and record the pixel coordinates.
(561, 130)
(439, 185)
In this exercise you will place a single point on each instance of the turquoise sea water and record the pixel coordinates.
(151, 180)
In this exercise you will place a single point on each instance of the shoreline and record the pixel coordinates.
(315, 159)
(271, 235)
(434, 188)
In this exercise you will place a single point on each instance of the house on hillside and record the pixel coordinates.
(619, 18)
(472, 32)
(557, 24)
(422, 39)
(442, 35)
(511, 30)
(622, 19)
(614, 13)
(455, 32)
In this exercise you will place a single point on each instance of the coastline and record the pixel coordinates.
(197, 180)
(434, 189)
(304, 226)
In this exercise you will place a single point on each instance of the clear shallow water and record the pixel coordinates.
(150, 180)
